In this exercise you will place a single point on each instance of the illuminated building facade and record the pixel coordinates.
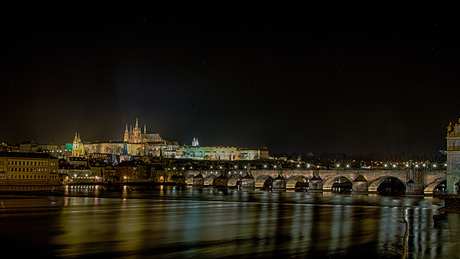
(138, 143)
(18, 168)
(135, 142)
(134, 135)
(78, 149)
(225, 153)
(453, 158)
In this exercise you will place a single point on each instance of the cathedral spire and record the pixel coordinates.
(137, 124)
(145, 129)
(195, 142)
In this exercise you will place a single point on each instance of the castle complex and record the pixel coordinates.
(135, 142)
(138, 142)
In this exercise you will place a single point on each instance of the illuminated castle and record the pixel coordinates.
(134, 135)
(135, 143)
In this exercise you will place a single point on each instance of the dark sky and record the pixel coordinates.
(294, 79)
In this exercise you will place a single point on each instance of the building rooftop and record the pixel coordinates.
(26, 155)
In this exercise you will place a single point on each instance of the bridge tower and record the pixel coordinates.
(453, 158)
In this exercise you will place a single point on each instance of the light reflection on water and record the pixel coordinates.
(210, 223)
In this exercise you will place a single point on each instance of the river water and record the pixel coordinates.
(162, 222)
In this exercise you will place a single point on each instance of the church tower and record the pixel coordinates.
(453, 158)
(78, 149)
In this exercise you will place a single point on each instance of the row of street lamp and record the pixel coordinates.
(338, 165)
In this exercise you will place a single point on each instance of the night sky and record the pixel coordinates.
(293, 79)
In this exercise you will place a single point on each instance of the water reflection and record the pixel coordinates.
(168, 223)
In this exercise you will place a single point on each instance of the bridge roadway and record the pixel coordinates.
(417, 182)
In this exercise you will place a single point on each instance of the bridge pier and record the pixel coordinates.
(315, 184)
(198, 180)
(279, 183)
(414, 189)
(221, 181)
(359, 187)
(247, 182)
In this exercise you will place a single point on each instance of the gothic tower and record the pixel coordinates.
(137, 132)
(453, 158)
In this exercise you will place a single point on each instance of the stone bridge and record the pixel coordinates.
(416, 182)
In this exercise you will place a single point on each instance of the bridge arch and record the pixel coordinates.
(292, 182)
(260, 182)
(329, 182)
(209, 179)
(374, 185)
(429, 189)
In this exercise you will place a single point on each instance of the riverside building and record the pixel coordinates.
(17, 168)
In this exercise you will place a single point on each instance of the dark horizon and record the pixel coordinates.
(339, 81)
